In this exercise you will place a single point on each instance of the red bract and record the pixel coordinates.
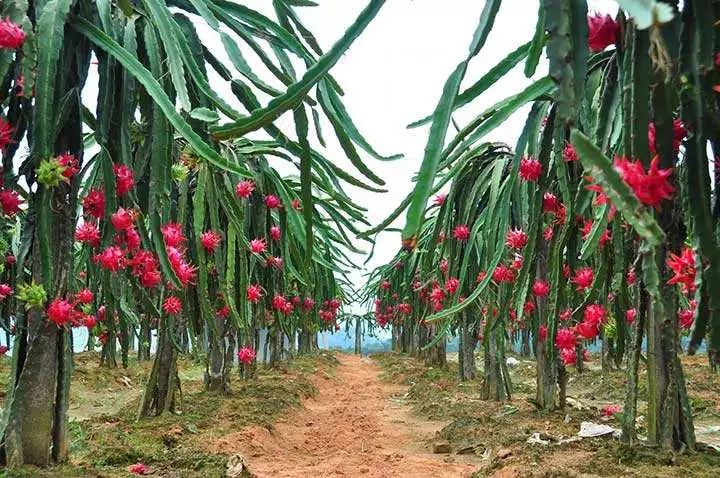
(679, 133)
(530, 169)
(84, 296)
(275, 233)
(138, 469)
(565, 339)
(437, 294)
(683, 267)
(70, 163)
(651, 188)
(595, 314)
(440, 199)
(451, 285)
(88, 233)
(246, 355)
(541, 288)
(124, 179)
(10, 202)
(542, 333)
(210, 240)
(94, 203)
(172, 305)
(173, 234)
(254, 293)
(272, 202)
(502, 274)
(550, 203)
(60, 311)
(587, 330)
(244, 189)
(5, 291)
(630, 315)
(12, 35)
(461, 232)
(112, 258)
(258, 246)
(569, 153)
(602, 31)
(516, 238)
(122, 219)
(150, 279)
(583, 279)
(631, 277)
(686, 317)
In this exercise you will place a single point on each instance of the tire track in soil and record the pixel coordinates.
(351, 428)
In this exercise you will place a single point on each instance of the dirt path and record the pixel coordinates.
(353, 427)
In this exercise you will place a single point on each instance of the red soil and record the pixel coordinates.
(350, 428)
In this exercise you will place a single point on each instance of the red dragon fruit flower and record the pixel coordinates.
(569, 153)
(122, 219)
(565, 339)
(651, 188)
(568, 356)
(124, 179)
(530, 169)
(88, 233)
(630, 315)
(550, 203)
(440, 199)
(308, 304)
(686, 317)
(210, 240)
(254, 293)
(60, 312)
(246, 355)
(112, 258)
(138, 469)
(70, 163)
(94, 203)
(272, 202)
(602, 31)
(461, 232)
(5, 291)
(244, 189)
(10, 202)
(258, 246)
(516, 238)
(12, 35)
(683, 267)
(173, 235)
(172, 305)
(587, 330)
(503, 274)
(583, 279)
(451, 285)
(679, 134)
(541, 288)
(89, 321)
(6, 134)
(84, 296)
(275, 233)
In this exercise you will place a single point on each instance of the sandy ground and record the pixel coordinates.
(357, 425)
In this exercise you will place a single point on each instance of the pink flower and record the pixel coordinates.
(60, 311)
(172, 305)
(70, 163)
(541, 288)
(5, 291)
(275, 233)
(246, 355)
(210, 240)
(122, 219)
(124, 179)
(254, 293)
(10, 202)
(94, 203)
(244, 189)
(461, 232)
(84, 296)
(272, 202)
(530, 169)
(583, 279)
(138, 469)
(258, 246)
(516, 238)
(569, 154)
